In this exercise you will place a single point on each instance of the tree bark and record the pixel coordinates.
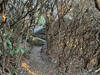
(74, 44)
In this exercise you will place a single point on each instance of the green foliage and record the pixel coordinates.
(12, 52)
(42, 20)
(13, 73)
(25, 73)
(9, 44)
(6, 40)
(9, 74)
(22, 51)
(16, 51)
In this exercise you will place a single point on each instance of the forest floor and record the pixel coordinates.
(38, 63)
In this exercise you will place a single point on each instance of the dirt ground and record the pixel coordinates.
(39, 64)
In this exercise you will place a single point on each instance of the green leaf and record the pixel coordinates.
(9, 74)
(22, 51)
(4, 34)
(16, 73)
(42, 20)
(25, 73)
(12, 52)
(12, 73)
(10, 44)
(17, 51)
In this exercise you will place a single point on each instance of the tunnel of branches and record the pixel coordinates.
(72, 33)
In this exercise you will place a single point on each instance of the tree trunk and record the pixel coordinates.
(74, 43)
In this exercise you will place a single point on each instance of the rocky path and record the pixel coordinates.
(39, 63)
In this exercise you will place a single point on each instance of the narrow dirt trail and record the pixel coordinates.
(39, 63)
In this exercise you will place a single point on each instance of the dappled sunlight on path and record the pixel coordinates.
(38, 64)
(26, 66)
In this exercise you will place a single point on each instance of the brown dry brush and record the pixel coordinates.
(17, 18)
(65, 35)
